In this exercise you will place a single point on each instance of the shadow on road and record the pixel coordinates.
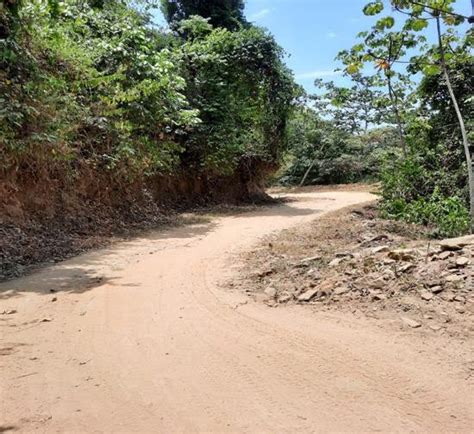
(103, 266)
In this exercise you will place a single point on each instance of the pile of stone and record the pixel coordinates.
(439, 271)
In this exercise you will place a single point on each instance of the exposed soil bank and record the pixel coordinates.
(46, 219)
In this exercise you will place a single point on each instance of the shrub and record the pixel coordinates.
(448, 216)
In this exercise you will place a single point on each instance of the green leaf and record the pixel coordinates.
(431, 69)
(373, 8)
(385, 23)
(449, 20)
(353, 68)
(418, 24)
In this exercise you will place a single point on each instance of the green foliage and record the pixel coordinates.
(352, 135)
(373, 8)
(95, 84)
(429, 184)
(429, 187)
(242, 91)
(447, 215)
(220, 13)
(328, 154)
(354, 108)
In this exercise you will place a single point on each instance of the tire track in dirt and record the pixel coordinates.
(158, 346)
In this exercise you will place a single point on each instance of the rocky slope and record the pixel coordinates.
(354, 260)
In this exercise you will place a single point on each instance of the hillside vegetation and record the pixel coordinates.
(99, 106)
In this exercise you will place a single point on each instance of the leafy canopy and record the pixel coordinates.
(228, 14)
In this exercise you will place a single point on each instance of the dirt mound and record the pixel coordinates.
(353, 260)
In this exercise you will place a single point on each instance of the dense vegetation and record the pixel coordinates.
(408, 123)
(91, 89)
(321, 152)
(222, 13)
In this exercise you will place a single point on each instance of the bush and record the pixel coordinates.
(447, 215)
(418, 189)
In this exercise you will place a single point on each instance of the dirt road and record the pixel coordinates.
(141, 338)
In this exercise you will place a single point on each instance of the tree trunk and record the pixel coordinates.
(312, 165)
(307, 172)
(465, 142)
(394, 100)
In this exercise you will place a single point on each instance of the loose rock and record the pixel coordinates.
(285, 297)
(9, 312)
(341, 290)
(380, 249)
(335, 262)
(402, 254)
(271, 292)
(376, 296)
(457, 243)
(411, 322)
(266, 272)
(308, 295)
(462, 261)
(344, 255)
(454, 278)
(406, 267)
(445, 255)
(376, 238)
(427, 296)
(311, 259)
(315, 274)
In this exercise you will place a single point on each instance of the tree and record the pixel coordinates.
(384, 47)
(401, 53)
(352, 108)
(228, 14)
(420, 12)
(243, 92)
(320, 151)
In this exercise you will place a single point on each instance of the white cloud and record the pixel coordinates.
(259, 15)
(331, 35)
(317, 74)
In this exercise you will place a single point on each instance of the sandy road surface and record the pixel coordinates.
(141, 338)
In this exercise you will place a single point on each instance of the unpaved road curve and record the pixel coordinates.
(158, 346)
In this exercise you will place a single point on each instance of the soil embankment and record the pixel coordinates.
(46, 218)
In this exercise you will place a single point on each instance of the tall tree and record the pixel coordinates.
(393, 49)
(353, 108)
(221, 13)
(420, 12)
(384, 47)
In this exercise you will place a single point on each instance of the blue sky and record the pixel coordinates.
(312, 32)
